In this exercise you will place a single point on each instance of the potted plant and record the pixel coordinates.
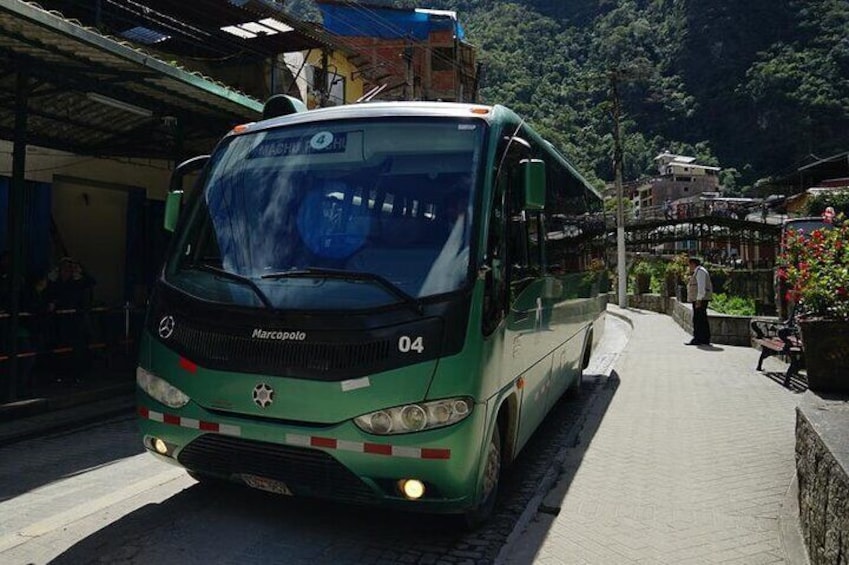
(642, 277)
(675, 274)
(815, 267)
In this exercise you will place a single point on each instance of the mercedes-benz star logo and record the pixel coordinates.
(263, 395)
(166, 327)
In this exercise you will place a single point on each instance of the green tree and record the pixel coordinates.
(756, 87)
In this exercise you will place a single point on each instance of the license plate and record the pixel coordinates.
(269, 485)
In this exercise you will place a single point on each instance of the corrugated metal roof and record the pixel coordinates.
(66, 62)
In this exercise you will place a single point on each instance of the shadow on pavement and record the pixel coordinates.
(636, 311)
(60, 456)
(527, 547)
(797, 383)
(233, 524)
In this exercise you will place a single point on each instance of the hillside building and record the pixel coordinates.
(404, 54)
(679, 176)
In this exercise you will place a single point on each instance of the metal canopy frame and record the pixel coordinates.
(646, 234)
(71, 88)
(64, 62)
(194, 28)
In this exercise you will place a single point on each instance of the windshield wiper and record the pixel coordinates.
(340, 274)
(234, 277)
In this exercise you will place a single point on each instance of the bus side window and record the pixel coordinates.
(521, 262)
(569, 229)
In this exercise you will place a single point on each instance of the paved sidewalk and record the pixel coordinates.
(686, 457)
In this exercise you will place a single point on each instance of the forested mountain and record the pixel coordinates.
(758, 87)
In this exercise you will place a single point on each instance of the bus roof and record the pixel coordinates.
(483, 112)
(380, 110)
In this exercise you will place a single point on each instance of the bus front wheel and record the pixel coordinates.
(489, 491)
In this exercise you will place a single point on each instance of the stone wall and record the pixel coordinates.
(651, 302)
(822, 468)
(724, 329)
(730, 330)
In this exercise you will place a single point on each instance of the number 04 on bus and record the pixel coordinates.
(374, 303)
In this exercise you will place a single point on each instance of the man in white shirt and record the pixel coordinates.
(699, 293)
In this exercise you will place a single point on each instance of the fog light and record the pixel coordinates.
(412, 488)
(160, 446)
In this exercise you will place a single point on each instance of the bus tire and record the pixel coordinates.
(489, 490)
(574, 388)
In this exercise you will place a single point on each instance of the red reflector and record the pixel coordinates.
(187, 365)
(436, 453)
(171, 419)
(143, 412)
(329, 443)
(377, 449)
(208, 426)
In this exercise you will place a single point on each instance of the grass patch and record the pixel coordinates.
(732, 305)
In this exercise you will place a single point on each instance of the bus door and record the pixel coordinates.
(527, 309)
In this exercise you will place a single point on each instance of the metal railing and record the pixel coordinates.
(111, 329)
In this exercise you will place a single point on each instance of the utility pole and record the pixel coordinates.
(620, 197)
(322, 83)
(407, 55)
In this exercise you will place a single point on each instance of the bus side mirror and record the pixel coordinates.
(175, 189)
(533, 176)
(172, 209)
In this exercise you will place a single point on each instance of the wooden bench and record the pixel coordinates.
(779, 339)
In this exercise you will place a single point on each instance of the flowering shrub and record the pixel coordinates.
(815, 267)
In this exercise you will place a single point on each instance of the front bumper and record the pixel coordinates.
(338, 462)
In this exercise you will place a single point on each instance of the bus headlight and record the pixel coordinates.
(415, 417)
(160, 390)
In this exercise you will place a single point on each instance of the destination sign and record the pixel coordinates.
(319, 144)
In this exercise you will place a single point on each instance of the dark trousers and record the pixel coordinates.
(701, 327)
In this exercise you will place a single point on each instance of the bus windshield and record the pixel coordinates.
(387, 201)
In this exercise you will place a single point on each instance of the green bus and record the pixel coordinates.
(374, 303)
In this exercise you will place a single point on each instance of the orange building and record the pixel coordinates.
(405, 54)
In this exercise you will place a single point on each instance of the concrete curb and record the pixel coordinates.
(622, 316)
(42, 416)
(788, 527)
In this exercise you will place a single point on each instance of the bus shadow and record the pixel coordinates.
(525, 548)
(230, 524)
(52, 458)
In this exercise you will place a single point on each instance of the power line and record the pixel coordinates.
(381, 21)
(388, 25)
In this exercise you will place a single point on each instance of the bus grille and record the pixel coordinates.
(217, 351)
(307, 472)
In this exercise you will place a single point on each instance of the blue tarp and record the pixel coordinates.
(361, 21)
